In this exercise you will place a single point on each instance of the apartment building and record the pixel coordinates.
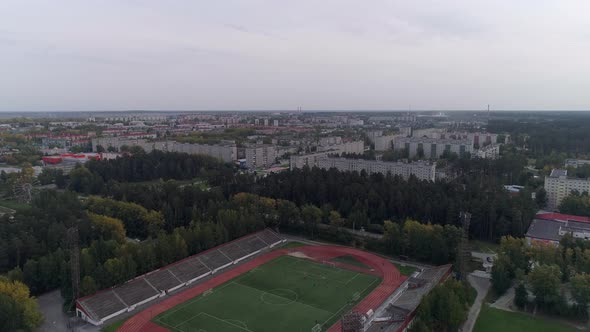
(433, 148)
(422, 170)
(478, 139)
(575, 163)
(488, 152)
(558, 185)
(225, 151)
(357, 147)
(260, 155)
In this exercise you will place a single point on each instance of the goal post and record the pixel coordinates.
(331, 264)
(316, 328)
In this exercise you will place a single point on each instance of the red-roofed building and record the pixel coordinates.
(561, 217)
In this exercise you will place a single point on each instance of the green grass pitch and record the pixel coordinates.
(287, 294)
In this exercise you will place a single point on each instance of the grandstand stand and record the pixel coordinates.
(106, 304)
(270, 237)
(163, 280)
(215, 260)
(233, 251)
(136, 292)
(100, 307)
(189, 269)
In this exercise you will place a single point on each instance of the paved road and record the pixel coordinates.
(482, 286)
(50, 305)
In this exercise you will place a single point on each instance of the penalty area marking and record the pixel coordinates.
(264, 299)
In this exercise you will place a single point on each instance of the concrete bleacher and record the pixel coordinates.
(136, 292)
(252, 244)
(103, 305)
(269, 237)
(233, 251)
(189, 269)
(214, 259)
(163, 280)
(106, 304)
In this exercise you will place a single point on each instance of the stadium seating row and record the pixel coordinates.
(109, 303)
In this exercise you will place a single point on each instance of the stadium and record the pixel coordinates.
(257, 283)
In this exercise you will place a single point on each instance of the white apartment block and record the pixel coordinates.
(488, 152)
(558, 185)
(225, 151)
(261, 155)
(422, 170)
(478, 139)
(433, 147)
(310, 160)
(575, 163)
(357, 147)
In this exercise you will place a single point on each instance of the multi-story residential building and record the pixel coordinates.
(576, 162)
(310, 160)
(260, 155)
(357, 147)
(558, 185)
(433, 147)
(488, 152)
(225, 151)
(478, 139)
(422, 170)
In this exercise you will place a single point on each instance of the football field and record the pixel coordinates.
(287, 294)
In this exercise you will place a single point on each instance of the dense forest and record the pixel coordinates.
(367, 200)
(545, 135)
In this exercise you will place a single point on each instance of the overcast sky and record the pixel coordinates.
(318, 54)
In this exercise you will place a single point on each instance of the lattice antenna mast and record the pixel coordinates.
(74, 246)
(463, 254)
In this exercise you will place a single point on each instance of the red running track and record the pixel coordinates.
(391, 280)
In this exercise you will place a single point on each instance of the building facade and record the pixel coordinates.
(225, 151)
(488, 152)
(558, 185)
(432, 148)
(261, 155)
(422, 170)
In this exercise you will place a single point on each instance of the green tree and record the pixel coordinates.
(87, 286)
(520, 296)
(545, 281)
(16, 301)
(312, 216)
(580, 284)
(501, 275)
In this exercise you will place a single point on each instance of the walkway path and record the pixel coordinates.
(482, 286)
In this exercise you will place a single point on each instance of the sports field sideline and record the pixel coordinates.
(285, 294)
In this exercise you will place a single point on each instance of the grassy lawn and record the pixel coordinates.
(113, 327)
(405, 269)
(493, 320)
(290, 244)
(484, 246)
(350, 261)
(286, 294)
(14, 205)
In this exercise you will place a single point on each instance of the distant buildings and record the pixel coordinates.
(422, 170)
(488, 152)
(576, 162)
(382, 142)
(225, 151)
(558, 185)
(478, 139)
(432, 148)
(261, 155)
(356, 147)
